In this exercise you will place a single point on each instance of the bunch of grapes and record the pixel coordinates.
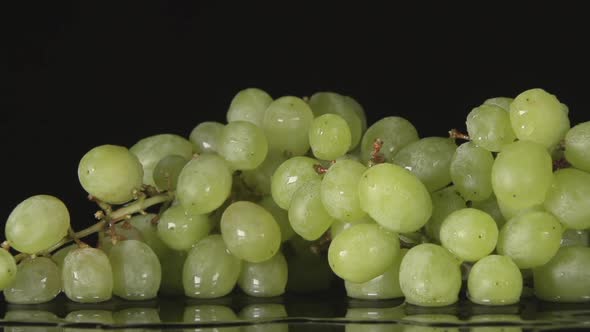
(292, 194)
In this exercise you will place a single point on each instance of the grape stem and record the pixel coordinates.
(455, 133)
(376, 156)
(320, 169)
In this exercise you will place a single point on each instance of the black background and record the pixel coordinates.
(82, 74)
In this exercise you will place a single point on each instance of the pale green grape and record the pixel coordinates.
(243, 145)
(249, 105)
(577, 146)
(37, 223)
(289, 176)
(490, 206)
(264, 311)
(210, 270)
(489, 127)
(494, 280)
(384, 286)
(264, 279)
(531, 238)
(471, 171)
(329, 137)
(339, 190)
(7, 269)
(144, 224)
(152, 149)
(469, 234)
(205, 137)
(307, 214)
(444, 202)
(340, 226)
(429, 159)
(323, 103)
(123, 231)
(286, 125)
(172, 263)
(250, 232)
(394, 198)
(259, 179)
(37, 280)
(59, 256)
(566, 277)
(502, 102)
(574, 237)
(363, 252)
(204, 184)
(167, 170)
(521, 175)
(539, 117)
(569, 198)
(393, 131)
(206, 313)
(180, 229)
(87, 276)
(281, 217)
(136, 270)
(430, 276)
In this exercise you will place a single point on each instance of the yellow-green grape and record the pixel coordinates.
(352, 254)
(489, 127)
(152, 149)
(59, 256)
(7, 269)
(429, 159)
(494, 280)
(249, 105)
(205, 137)
(566, 277)
(37, 223)
(136, 270)
(204, 184)
(395, 133)
(521, 175)
(148, 230)
(172, 263)
(538, 116)
(281, 217)
(37, 281)
(139, 315)
(167, 170)
(471, 171)
(444, 202)
(243, 145)
(531, 238)
(329, 137)
(376, 314)
(569, 198)
(259, 179)
(574, 237)
(360, 112)
(430, 276)
(502, 102)
(206, 313)
(490, 206)
(286, 125)
(339, 190)
(577, 146)
(384, 286)
(323, 103)
(394, 198)
(340, 226)
(87, 276)
(264, 311)
(210, 270)
(307, 215)
(289, 176)
(469, 234)
(180, 230)
(264, 279)
(250, 232)
(123, 231)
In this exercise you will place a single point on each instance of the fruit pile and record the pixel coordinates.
(293, 193)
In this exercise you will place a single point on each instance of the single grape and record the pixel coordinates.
(444, 202)
(249, 105)
(577, 145)
(574, 237)
(569, 197)
(566, 277)
(502, 102)
(180, 229)
(8, 269)
(281, 217)
(469, 234)
(289, 176)
(340, 226)
(243, 145)
(136, 270)
(37, 281)
(471, 171)
(264, 279)
(286, 125)
(258, 180)
(323, 103)
(393, 131)
(87, 276)
(339, 190)
(205, 137)
(329, 137)
(489, 127)
(167, 170)
(495, 280)
(307, 215)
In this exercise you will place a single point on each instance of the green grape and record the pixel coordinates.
(37, 223)
(340, 226)
(180, 229)
(376, 314)
(347, 108)
(469, 234)
(307, 214)
(329, 137)
(59, 256)
(264, 311)
(123, 231)
(574, 237)
(495, 280)
(471, 171)
(353, 253)
(37, 281)
(152, 149)
(249, 105)
(210, 270)
(8, 269)
(489, 127)
(148, 230)
(502, 102)
(394, 198)
(167, 170)
(243, 145)
(205, 137)
(577, 145)
(136, 270)
(360, 113)
(538, 116)
(204, 184)
(490, 206)
(531, 238)
(258, 180)
(87, 276)
(289, 176)
(206, 313)
(430, 276)
(286, 125)
(172, 263)
(569, 197)
(281, 217)
(444, 202)
(32, 316)
(393, 131)
(429, 159)
(566, 277)
(384, 286)
(495, 320)
(521, 175)
(250, 232)
(339, 190)
(264, 279)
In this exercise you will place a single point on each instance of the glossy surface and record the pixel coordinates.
(38, 280)
(307, 215)
(7, 269)
(243, 145)
(577, 146)
(471, 172)
(489, 127)
(289, 176)
(136, 270)
(329, 137)
(339, 190)
(205, 137)
(569, 198)
(87, 276)
(333, 103)
(469, 234)
(180, 229)
(167, 170)
(264, 279)
(566, 278)
(394, 131)
(249, 105)
(286, 125)
(494, 280)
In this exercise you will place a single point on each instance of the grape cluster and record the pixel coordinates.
(292, 193)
